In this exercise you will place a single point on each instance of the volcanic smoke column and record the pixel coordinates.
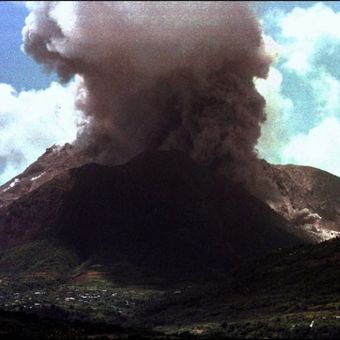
(159, 75)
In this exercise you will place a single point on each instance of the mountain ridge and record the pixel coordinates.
(306, 196)
(162, 203)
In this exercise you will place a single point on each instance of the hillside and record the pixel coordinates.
(158, 246)
(291, 293)
(161, 210)
(307, 196)
(55, 161)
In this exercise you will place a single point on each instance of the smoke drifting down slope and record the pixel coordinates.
(159, 75)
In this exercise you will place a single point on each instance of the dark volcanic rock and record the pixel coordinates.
(161, 210)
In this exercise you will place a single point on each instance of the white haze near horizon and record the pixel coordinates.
(32, 120)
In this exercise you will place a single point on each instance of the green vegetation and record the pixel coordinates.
(39, 258)
(291, 293)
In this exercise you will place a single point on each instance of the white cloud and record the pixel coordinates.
(326, 90)
(320, 147)
(29, 4)
(31, 121)
(275, 130)
(304, 128)
(304, 30)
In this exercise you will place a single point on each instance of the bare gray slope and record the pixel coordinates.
(307, 188)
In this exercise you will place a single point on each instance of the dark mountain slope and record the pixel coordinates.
(303, 191)
(306, 270)
(160, 210)
(99, 243)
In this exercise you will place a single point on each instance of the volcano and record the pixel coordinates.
(161, 210)
(159, 241)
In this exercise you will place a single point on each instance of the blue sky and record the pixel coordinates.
(302, 91)
(16, 68)
(303, 123)
(35, 110)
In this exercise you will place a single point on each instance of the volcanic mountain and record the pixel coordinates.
(161, 210)
(163, 244)
(303, 192)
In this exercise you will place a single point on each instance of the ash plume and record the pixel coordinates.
(305, 216)
(159, 75)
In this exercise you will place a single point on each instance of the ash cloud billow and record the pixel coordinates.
(159, 75)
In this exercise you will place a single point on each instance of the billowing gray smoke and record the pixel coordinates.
(159, 75)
